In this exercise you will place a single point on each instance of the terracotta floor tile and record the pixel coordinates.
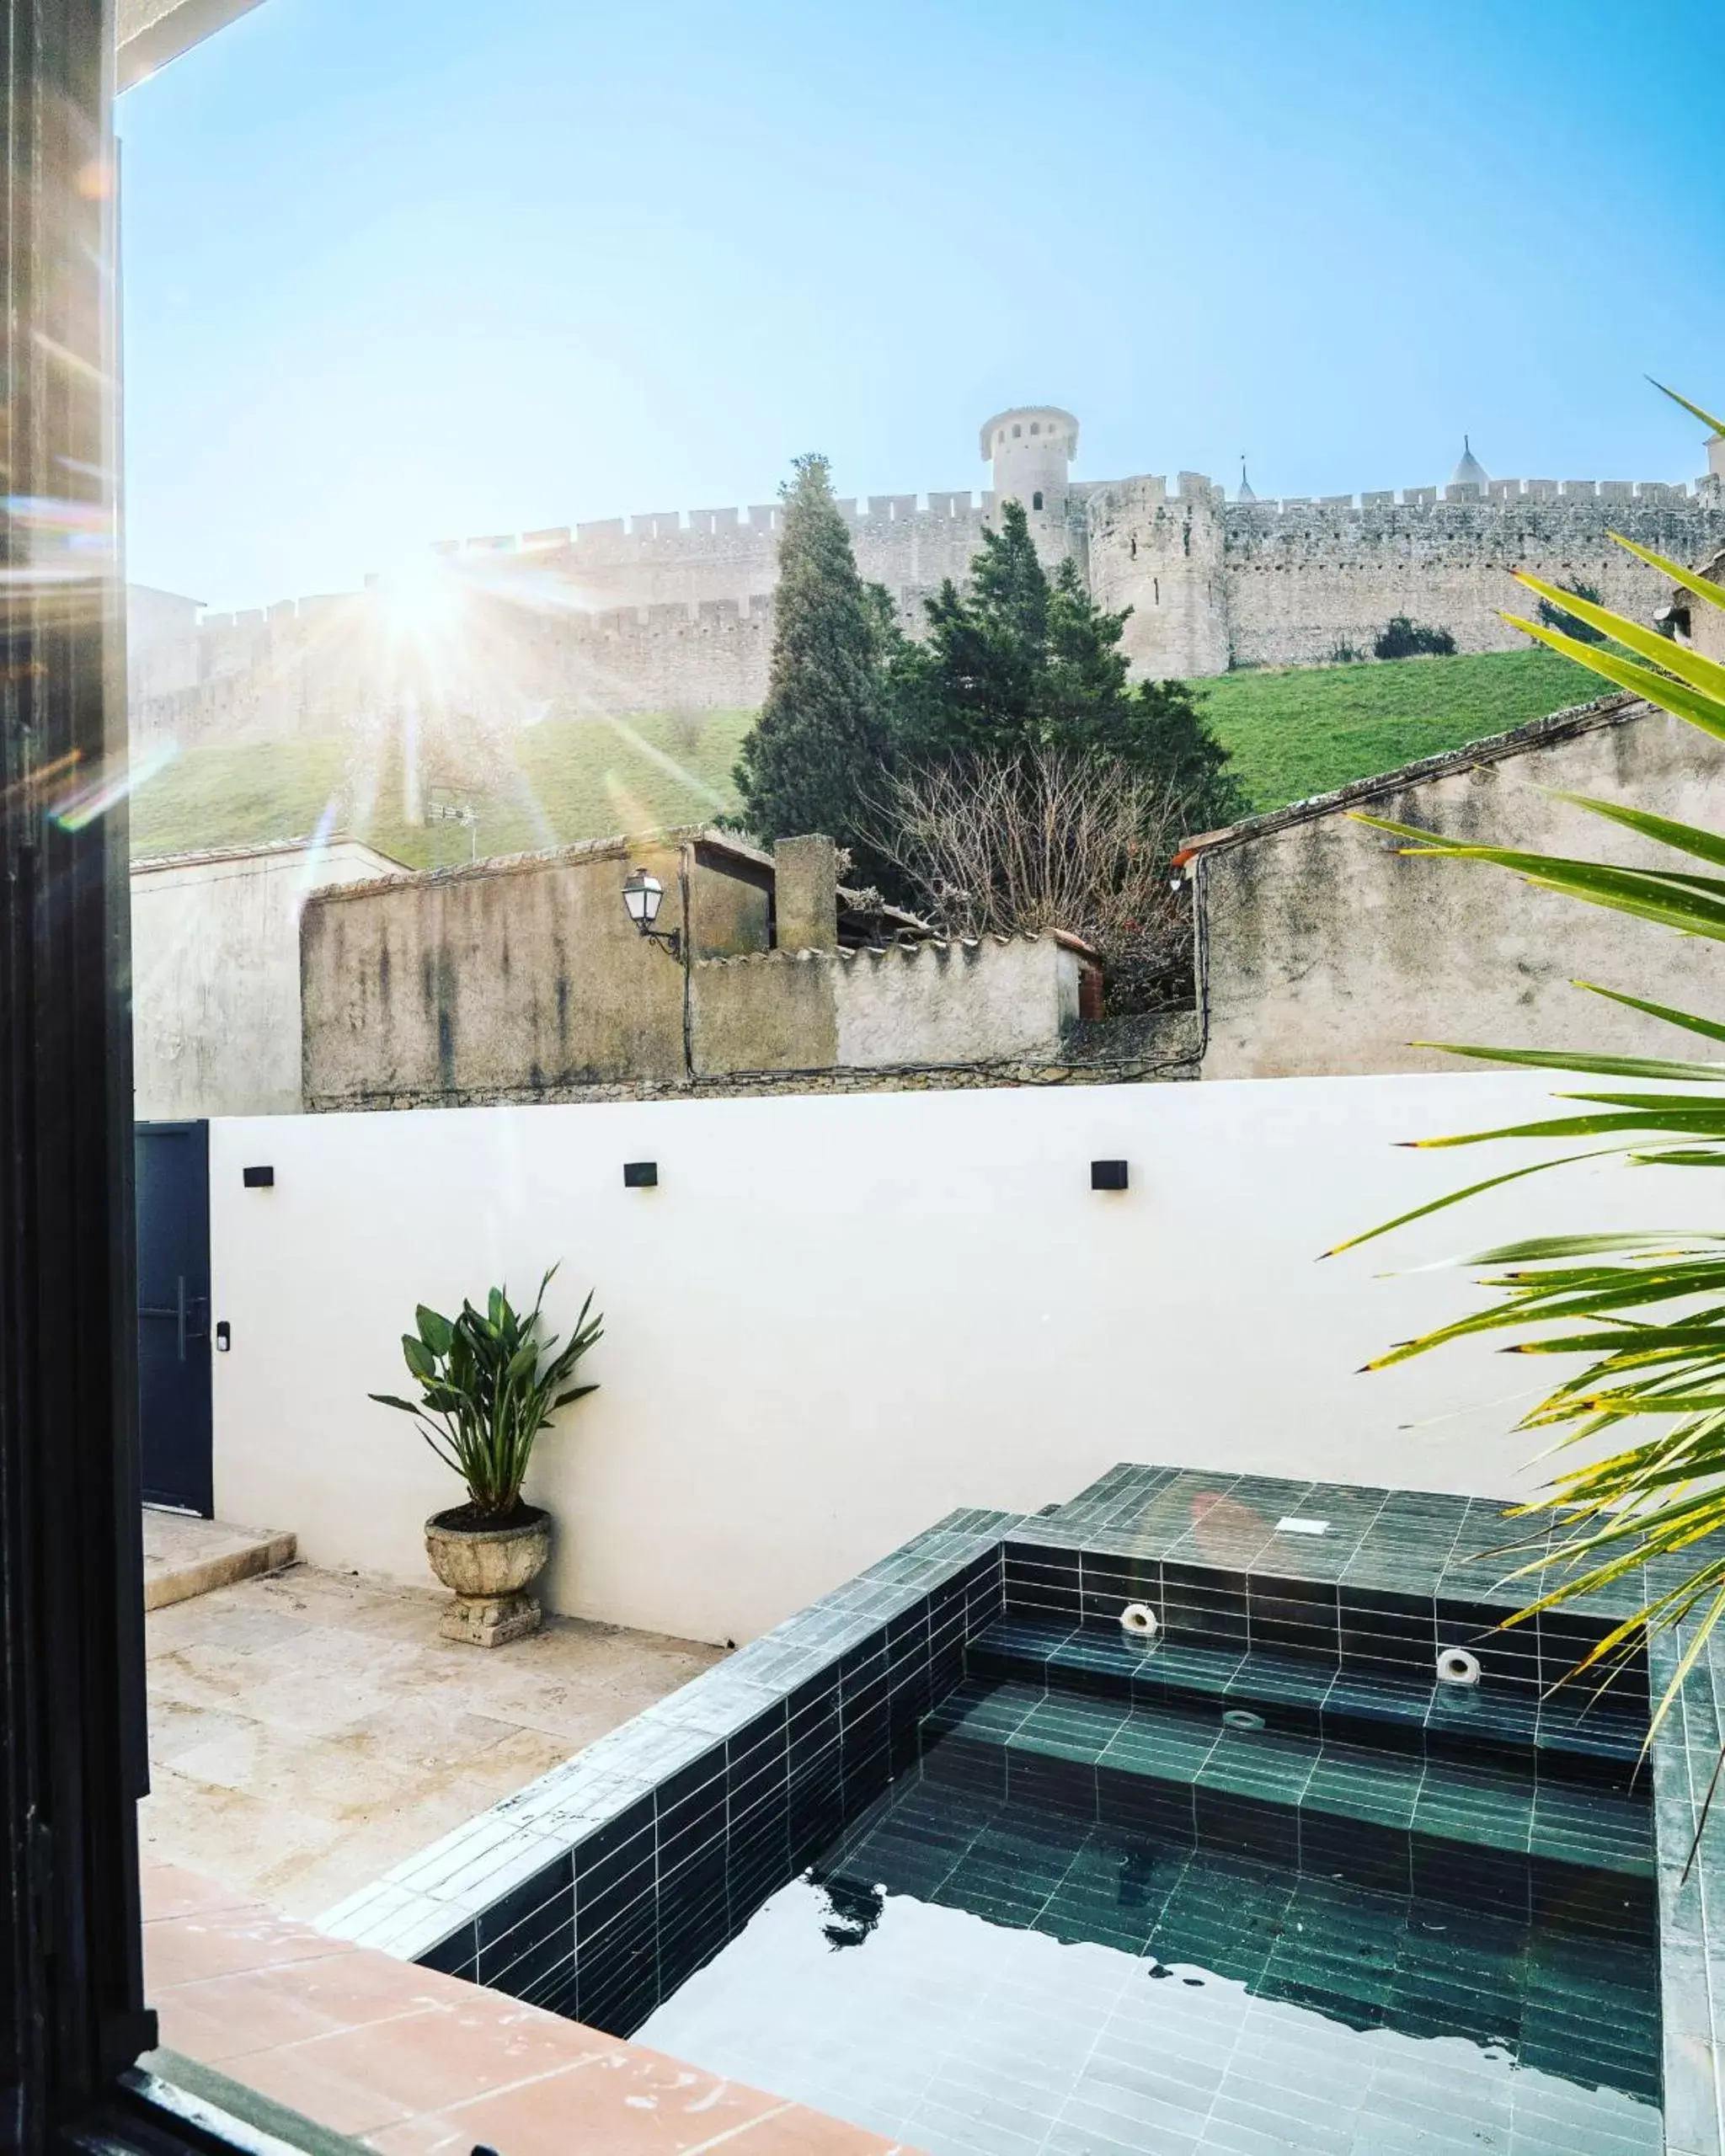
(607, 2108)
(422, 2064)
(169, 1891)
(190, 1949)
(796, 2131)
(449, 2054)
(226, 2017)
(321, 2092)
(433, 2133)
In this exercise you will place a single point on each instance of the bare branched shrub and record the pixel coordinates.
(1049, 840)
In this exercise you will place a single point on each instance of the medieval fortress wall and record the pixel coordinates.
(661, 611)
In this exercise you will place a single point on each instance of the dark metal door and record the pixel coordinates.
(173, 1315)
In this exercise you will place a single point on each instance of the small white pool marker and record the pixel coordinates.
(1294, 1525)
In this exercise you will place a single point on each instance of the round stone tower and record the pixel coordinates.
(1031, 448)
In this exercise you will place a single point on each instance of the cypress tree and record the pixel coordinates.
(1018, 660)
(822, 737)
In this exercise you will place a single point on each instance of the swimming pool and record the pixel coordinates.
(1336, 1855)
(968, 1970)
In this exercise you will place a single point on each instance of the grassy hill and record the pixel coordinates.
(1294, 731)
(569, 779)
(1298, 730)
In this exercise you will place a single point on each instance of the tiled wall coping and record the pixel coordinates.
(705, 1802)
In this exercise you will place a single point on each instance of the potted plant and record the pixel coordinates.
(483, 1398)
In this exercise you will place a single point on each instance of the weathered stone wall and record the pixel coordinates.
(1327, 949)
(730, 902)
(525, 973)
(1303, 580)
(995, 999)
(774, 1011)
(655, 612)
(216, 975)
(525, 980)
(1164, 558)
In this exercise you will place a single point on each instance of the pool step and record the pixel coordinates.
(1573, 1734)
(1486, 1834)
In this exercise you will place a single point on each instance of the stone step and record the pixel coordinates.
(1574, 1734)
(185, 1557)
(1486, 1833)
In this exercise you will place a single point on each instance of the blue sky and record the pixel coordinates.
(398, 269)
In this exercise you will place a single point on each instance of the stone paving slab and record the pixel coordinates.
(308, 1730)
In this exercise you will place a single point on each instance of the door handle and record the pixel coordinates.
(180, 1315)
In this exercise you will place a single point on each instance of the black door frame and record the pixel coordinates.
(176, 1469)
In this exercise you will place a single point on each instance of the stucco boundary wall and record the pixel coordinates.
(1327, 946)
(993, 1000)
(524, 979)
(837, 1318)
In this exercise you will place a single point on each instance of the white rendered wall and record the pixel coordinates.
(838, 1317)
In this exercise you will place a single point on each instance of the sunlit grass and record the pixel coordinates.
(1297, 731)
(1294, 732)
(587, 777)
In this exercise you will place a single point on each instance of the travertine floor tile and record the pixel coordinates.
(309, 1729)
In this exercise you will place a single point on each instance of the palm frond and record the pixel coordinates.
(1640, 1315)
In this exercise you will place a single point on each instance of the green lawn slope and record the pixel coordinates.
(1293, 731)
(567, 779)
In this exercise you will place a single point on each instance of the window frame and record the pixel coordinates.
(73, 1738)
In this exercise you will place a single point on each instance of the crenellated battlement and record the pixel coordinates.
(672, 609)
(758, 521)
(753, 531)
(1499, 494)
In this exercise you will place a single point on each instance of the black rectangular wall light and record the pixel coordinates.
(640, 1175)
(1107, 1174)
(257, 1178)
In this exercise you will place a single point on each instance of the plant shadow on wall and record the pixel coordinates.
(486, 1391)
(1645, 1312)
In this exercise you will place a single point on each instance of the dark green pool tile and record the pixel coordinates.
(1076, 1728)
(1172, 1744)
(1351, 1784)
(1259, 1762)
(993, 1871)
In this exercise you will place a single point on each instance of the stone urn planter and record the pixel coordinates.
(489, 1571)
(489, 1382)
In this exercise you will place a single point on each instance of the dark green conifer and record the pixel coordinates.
(1018, 660)
(822, 738)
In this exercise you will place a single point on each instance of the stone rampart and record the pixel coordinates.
(1306, 582)
(661, 609)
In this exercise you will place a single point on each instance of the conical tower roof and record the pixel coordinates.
(1470, 471)
(1245, 493)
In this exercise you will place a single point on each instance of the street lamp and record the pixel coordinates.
(643, 897)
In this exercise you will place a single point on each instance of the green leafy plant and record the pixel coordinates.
(483, 1394)
(1645, 1312)
(1401, 638)
(1560, 617)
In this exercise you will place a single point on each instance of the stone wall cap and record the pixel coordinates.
(552, 857)
(908, 953)
(261, 849)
